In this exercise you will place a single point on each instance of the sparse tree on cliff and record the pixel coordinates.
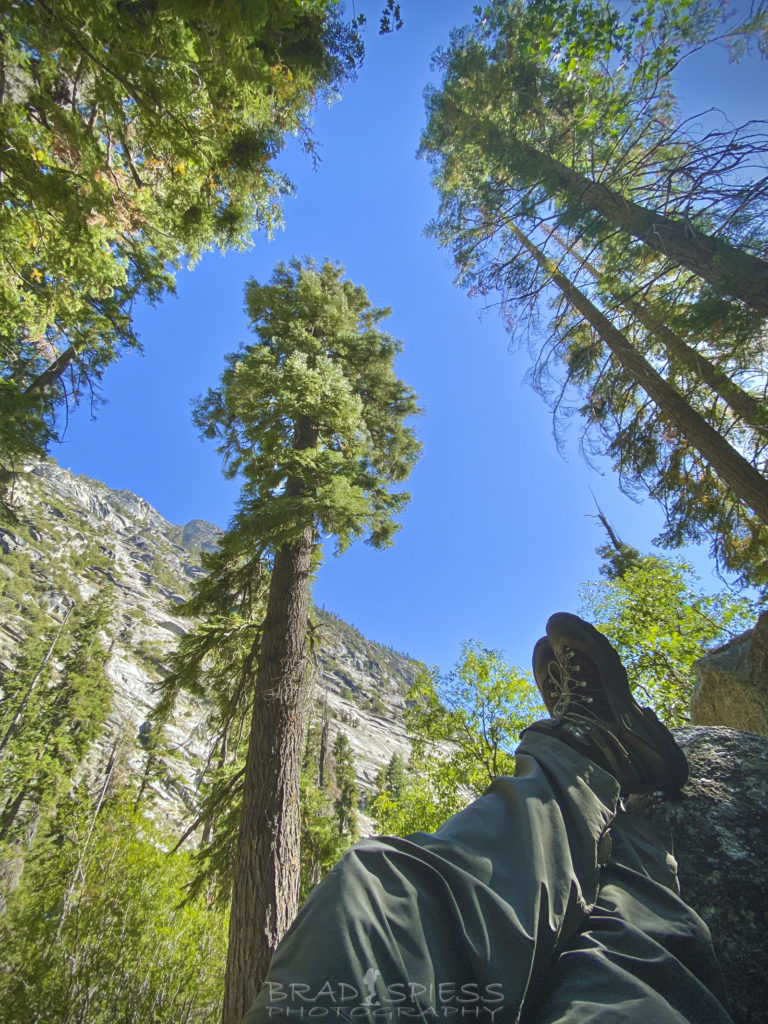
(311, 416)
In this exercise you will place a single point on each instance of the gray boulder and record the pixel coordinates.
(720, 831)
(731, 685)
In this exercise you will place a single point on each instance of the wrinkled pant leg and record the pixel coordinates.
(642, 955)
(455, 925)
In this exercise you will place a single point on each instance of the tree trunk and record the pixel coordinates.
(750, 409)
(52, 373)
(78, 876)
(734, 470)
(267, 869)
(322, 757)
(746, 406)
(11, 810)
(731, 270)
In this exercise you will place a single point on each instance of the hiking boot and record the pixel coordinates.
(586, 691)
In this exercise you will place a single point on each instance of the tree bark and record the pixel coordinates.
(266, 876)
(734, 470)
(267, 871)
(731, 270)
(322, 757)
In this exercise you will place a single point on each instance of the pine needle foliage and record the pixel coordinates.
(54, 705)
(136, 136)
(329, 800)
(322, 361)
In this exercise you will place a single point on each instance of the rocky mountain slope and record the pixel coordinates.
(75, 536)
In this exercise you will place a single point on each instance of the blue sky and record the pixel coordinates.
(500, 531)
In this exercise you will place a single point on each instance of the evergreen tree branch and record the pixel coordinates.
(746, 482)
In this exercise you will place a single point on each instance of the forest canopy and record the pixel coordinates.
(135, 136)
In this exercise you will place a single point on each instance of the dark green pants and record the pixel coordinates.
(538, 903)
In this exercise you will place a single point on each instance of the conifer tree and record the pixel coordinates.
(391, 792)
(617, 556)
(328, 799)
(55, 703)
(214, 660)
(100, 927)
(394, 778)
(564, 166)
(347, 793)
(135, 136)
(312, 416)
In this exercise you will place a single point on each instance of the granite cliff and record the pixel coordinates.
(75, 536)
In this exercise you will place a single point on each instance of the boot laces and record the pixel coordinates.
(575, 686)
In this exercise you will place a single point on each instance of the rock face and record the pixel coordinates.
(732, 683)
(75, 536)
(364, 685)
(198, 535)
(720, 832)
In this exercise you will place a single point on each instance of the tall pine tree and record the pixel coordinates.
(347, 793)
(566, 172)
(311, 415)
(54, 705)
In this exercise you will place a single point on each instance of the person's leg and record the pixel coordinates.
(642, 954)
(503, 911)
(455, 925)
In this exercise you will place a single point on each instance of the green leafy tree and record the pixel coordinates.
(312, 417)
(432, 792)
(661, 622)
(464, 729)
(565, 170)
(135, 136)
(99, 930)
